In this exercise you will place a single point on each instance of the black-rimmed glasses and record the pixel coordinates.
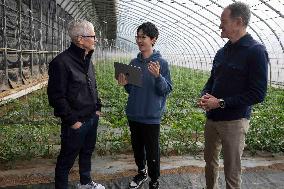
(93, 36)
(137, 37)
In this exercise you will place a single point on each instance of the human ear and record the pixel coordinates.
(154, 41)
(240, 21)
(79, 40)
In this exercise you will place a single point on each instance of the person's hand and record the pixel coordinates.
(200, 102)
(208, 102)
(77, 125)
(99, 113)
(122, 79)
(154, 68)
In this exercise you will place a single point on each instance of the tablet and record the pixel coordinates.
(133, 74)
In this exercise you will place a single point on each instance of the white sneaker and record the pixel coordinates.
(91, 185)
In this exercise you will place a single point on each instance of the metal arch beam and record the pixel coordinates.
(106, 12)
(83, 12)
(192, 23)
(120, 40)
(61, 4)
(198, 32)
(77, 14)
(199, 21)
(272, 8)
(193, 34)
(173, 44)
(249, 25)
(134, 44)
(218, 16)
(186, 46)
(70, 7)
(176, 39)
(132, 33)
(181, 54)
(109, 17)
(127, 40)
(80, 15)
(272, 33)
(75, 9)
(214, 2)
(205, 8)
(157, 18)
(72, 12)
(183, 41)
(124, 40)
(79, 6)
(199, 28)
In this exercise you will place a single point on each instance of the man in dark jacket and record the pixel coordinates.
(238, 80)
(72, 92)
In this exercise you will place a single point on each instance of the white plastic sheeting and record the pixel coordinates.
(189, 29)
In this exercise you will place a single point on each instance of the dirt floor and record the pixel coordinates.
(116, 171)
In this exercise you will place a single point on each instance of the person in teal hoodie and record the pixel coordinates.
(146, 105)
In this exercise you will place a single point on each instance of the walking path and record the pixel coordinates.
(177, 172)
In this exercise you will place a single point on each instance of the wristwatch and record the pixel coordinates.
(222, 103)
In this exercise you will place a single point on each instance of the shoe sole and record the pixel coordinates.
(139, 186)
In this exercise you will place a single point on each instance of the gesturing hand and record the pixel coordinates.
(154, 68)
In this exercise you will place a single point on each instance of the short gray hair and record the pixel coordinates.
(240, 9)
(79, 27)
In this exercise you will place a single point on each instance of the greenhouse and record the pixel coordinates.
(185, 88)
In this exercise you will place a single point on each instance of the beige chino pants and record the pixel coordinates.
(229, 135)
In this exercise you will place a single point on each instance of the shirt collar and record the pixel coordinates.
(243, 41)
(79, 51)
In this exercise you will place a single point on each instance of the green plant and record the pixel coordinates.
(28, 128)
(26, 142)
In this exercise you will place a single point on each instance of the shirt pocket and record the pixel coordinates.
(217, 68)
(73, 91)
(237, 74)
(236, 70)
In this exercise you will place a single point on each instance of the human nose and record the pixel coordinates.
(96, 40)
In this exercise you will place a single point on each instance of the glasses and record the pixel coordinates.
(140, 37)
(93, 36)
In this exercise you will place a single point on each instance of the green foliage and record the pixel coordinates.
(26, 141)
(32, 109)
(266, 132)
(29, 129)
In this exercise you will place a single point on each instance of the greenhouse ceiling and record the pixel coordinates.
(187, 27)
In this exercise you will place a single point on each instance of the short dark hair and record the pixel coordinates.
(149, 29)
(240, 9)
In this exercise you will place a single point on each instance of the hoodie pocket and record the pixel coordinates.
(154, 108)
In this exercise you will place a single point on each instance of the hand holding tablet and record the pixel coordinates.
(127, 74)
